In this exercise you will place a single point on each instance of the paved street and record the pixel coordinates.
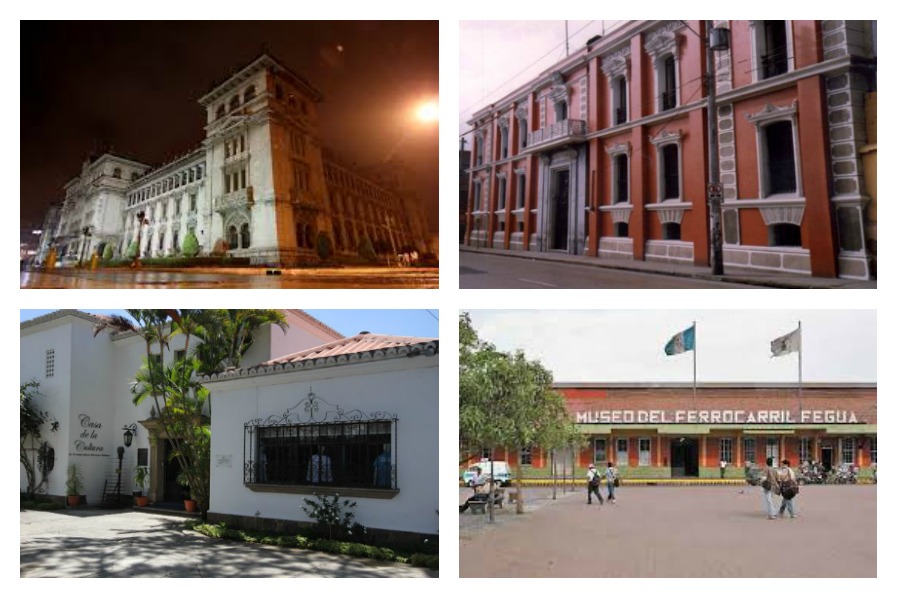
(93, 543)
(483, 271)
(679, 532)
(234, 278)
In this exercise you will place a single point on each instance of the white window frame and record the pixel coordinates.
(660, 141)
(615, 151)
(603, 458)
(846, 442)
(749, 440)
(769, 115)
(772, 450)
(644, 456)
(624, 442)
(805, 452)
(616, 104)
(725, 449)
(758, 43)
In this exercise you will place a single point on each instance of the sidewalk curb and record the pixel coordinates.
(652, 269)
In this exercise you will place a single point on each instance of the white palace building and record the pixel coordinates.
(260, 186)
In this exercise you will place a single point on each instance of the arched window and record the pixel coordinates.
(116, 173)
(232, 240)
(244, 235)
(249, 93)
(234, 103)
(220, 112)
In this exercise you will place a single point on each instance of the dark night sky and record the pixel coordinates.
(134, 86)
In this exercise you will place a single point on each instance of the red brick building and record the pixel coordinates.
(604, 154)
(670, 431)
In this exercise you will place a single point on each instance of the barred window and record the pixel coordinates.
(750, 450)
(51, 363)
(353, 455)
(486, 454)
(725, 450)
(526, 455)
(873, 450)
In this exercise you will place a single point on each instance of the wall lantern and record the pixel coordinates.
(130, 431)
(719, 39)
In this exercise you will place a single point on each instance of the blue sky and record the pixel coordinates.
(402, 322)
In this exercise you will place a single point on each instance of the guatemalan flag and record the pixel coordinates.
(682, 342)
(786, 344)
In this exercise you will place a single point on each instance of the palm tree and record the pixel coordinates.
(227, 335)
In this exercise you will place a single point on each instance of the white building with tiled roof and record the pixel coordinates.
(357, 417)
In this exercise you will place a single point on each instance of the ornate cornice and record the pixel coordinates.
(770, 113)
(617, 64)
(663, 40)
(619, 148)
(665, 137)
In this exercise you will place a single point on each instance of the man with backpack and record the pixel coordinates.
(593, 484)
(789, 488)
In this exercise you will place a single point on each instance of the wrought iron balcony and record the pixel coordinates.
(559, 133)
(667, 100)
(619, 116)
(775, 64)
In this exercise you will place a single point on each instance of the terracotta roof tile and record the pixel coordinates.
(359, 343)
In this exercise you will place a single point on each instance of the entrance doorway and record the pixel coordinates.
(172, 490)
(561, 209)
(828, 457)
(684, 458)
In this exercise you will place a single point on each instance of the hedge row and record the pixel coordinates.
(430, 561)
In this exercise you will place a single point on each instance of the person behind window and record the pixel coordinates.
(383, 469)
(319, 470)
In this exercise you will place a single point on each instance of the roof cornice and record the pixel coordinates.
(58, 315)
(679, 385)
(263, 62)
(423, 349)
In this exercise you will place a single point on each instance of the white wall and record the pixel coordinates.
(406, 387)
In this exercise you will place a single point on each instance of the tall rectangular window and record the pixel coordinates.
(621, 178)
(50, 365)
(521, 191)
(622, 451)
(502, 193)
(504, 142)
(873, 450)
(780, 164)
(670, 180)
(668, 83)
(644, 452)
(725, 450)
(848, 453)
(526, 455)
(750, 450)
(485, 454)
(804, 452)
(774, 60)
(620, 115)
(772, 450)
(600, 450)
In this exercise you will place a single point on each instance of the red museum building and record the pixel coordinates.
(604, 154)
(655, 430)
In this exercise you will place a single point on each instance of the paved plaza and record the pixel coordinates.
(667, 531)
(93, 543)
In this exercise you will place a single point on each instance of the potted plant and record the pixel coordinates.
(73, 484)
(189, 503)
(141, 479)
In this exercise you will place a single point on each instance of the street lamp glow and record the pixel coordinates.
(428, 112)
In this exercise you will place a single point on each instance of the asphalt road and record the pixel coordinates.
(719, 531)
(482, 271)
(94, 543)
(231, 278)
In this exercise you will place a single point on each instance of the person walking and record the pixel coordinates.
(593, 484)
(612, 477)
(788, 485)
(770, 485)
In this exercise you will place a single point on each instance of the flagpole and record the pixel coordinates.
(800, 369)
(694, 364)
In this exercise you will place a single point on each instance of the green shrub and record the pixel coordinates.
(366, 249)
(131, 253)
(190, 247)
(108, 252)
(324, 246)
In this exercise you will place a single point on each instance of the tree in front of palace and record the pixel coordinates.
(131, 252)
(190, 248)
(507, 400)
(30, 421)
(182, 404)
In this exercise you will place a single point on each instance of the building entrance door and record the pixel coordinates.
(828, 457)
(684, 458)
(560, 209)
(172, 491)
